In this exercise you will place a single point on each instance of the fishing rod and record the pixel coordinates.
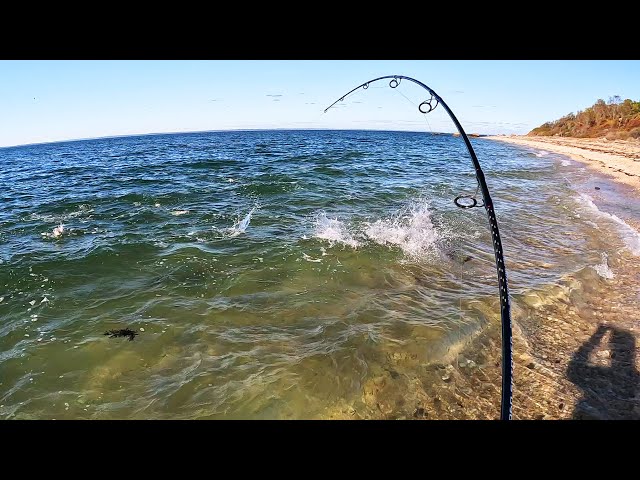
(470, 201)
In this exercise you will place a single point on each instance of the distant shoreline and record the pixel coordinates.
(619, 159)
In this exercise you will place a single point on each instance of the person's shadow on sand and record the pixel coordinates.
(609, 392)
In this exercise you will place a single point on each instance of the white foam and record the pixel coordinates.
(83, 210)
(42, 218)
(411, 230)
(603, 268)
(310, 259)
(541, 153)
(630, 236)
(333, 230)
(565, 163)
(179, 212)
(57, 232)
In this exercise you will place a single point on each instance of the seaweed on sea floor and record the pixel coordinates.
(123, 332)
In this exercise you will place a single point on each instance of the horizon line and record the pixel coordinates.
(84, 139)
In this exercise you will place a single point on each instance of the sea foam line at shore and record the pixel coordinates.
(619, 159)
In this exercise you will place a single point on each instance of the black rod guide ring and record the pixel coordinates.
(427, 103)
(462, 205)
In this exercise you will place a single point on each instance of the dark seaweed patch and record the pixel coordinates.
(124, 332)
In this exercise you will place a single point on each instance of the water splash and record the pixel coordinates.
(56, 233)
(411, 229)
(241, 226)
(333, 230)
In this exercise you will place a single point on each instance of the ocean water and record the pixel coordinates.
(278, 274)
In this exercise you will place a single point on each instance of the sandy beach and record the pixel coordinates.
(618, 158)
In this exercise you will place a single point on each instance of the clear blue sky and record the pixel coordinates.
(43, 101)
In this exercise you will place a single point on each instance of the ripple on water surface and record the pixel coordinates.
(273, 274)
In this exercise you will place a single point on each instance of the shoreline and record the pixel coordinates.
(554, 378)
(619, 159)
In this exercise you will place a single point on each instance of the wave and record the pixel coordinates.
(260, 188)
(630, 236)
(82, 210)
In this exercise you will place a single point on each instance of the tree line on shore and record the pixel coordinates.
(615, 119)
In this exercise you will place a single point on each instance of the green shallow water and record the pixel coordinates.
(268, 274)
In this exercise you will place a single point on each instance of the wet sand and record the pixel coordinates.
(619, 159)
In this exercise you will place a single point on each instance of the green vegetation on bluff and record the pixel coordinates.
(615, 119)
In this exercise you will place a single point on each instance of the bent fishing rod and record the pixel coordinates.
(470, 201)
